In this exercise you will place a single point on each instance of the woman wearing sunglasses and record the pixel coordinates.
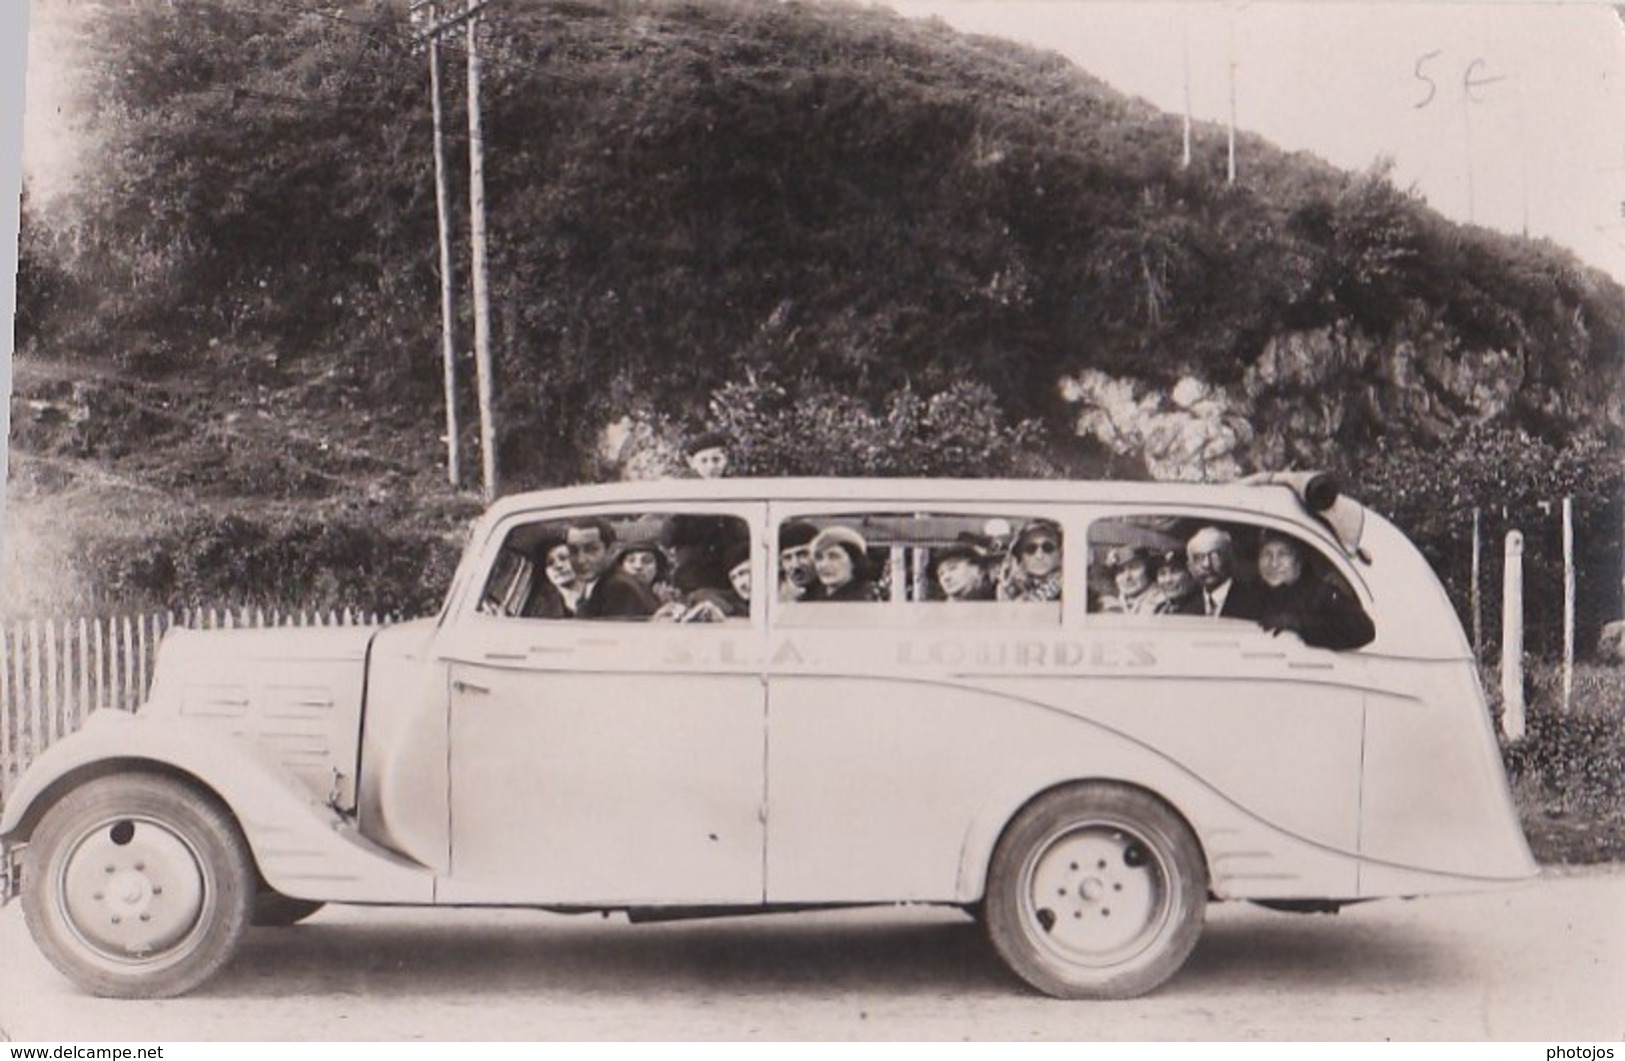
(1032, 572)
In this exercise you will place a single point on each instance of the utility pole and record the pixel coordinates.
(483, 369)
(1230, 165)
(482, 301)
(1568, 604)
(442, 202)
(1185, 155)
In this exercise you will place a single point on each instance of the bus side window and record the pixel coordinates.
(1144, 565)
(630, 568)
(919, 558)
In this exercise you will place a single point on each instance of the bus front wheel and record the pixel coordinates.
(138, 886)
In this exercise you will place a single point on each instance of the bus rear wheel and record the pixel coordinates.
(138, 886)
(1096, 890)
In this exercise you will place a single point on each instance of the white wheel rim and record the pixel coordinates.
(1095, 894)
(132, 890)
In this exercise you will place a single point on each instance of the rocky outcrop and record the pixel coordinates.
(1191, 432)
(1611, 642)
(1308, 398)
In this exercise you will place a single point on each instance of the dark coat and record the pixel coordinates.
(859, 589)
(546, 602)
(1318, 612)
(618, 596)
(1244, 601)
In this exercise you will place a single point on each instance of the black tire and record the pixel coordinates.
(272, 909)
(1072, 859)
(138, 886)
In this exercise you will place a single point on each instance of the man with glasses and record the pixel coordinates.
(1210, 554)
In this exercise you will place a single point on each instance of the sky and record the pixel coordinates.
(1507, 115)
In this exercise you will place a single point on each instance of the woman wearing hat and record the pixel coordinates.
(644, 562)
(959, 570)
(556, 590)
(1131, 574)
(841, 559)
(709, 604)
(1176, 588)
(628, 591)
(1032, 571)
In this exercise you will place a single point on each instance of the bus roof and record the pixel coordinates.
(1277, 498)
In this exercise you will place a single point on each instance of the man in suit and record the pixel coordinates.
(1211, 557)
(590, 542)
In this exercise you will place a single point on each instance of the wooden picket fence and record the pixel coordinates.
(55, 672)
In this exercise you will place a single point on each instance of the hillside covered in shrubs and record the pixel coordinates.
(859, 243)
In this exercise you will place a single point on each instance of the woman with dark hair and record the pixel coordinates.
(628, 591)
(555, 589)
(841, 559)
(1177, 591)
(644, 562)
(1313, 608)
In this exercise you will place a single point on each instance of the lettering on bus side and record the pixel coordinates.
(1026, 653)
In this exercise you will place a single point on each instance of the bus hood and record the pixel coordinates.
(296, 692)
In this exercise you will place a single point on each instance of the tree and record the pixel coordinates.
(1516, 481)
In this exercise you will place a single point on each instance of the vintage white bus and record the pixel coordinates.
(696, 698)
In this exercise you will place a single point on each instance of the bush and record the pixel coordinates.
(1517, 481)
(297, 563)
(806, 428)
(1568, 770)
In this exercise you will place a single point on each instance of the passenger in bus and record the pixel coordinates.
(739, 577)
(620, 594)
(644, 563)
(590, 542)
(1211, 556)
(841, 559)
(696, 544)
(1136, 593)
(708, 605)
(797, 574)
(1176, 589)
(1314, 609)
(707, 455)
(959, 570)
(1032, 571)
(556, 594)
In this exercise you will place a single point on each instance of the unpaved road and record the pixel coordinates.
(1544, 963)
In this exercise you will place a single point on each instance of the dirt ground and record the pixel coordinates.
(1542, 963)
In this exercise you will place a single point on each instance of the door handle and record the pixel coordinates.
(460, 686)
